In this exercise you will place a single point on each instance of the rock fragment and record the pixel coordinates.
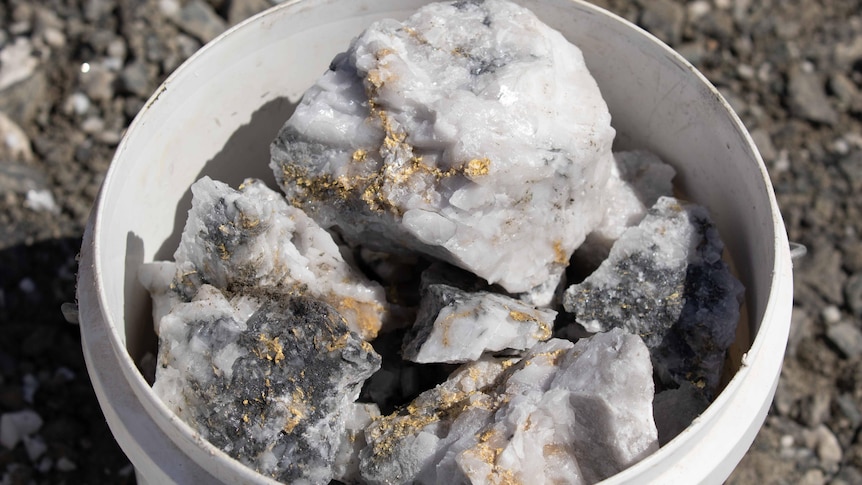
(271, 381)
(17, 62)
(455, 326)
(638, 178)
(808, 96)
(251, 240)
(665, 281)
(577, 413)
(14, 142)
(484, 143)
(663, 18)
(17, 425)
(198, 19)
(847, 338)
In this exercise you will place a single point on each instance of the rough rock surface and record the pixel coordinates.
(251, 240)
(572, 412)
(638, 178)
(486, 147)
(665, 281)
(271, 381)
(455, 326)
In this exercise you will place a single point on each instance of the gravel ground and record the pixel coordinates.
(73, 73)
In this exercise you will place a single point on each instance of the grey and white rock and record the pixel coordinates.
(251, 240)
(576, 413)
(98, 82)
(665, 281)
(14, 426)
(345, 468)
(197, 18)
(269, 380)
(847, 337)
(471, 132)
(17, 62)
(455, 326)
(808, 97)
(637, 180)
(14, 143)
(135, 79)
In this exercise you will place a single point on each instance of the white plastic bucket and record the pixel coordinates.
(216, 116)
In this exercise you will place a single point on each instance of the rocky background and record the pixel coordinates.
(73, 74)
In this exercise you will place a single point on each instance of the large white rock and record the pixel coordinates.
(471, 132)
(565, 413)
(249, 241)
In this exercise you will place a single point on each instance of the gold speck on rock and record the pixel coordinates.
(560, 255)
(519, 316)
(359, 155)
(477, 167)
(223, 252)
(274, 350)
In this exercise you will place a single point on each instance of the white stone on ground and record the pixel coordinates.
(665, 281)
(455, 326)
(14, 426)
(573, 413)
(251, 240)
(471, 132)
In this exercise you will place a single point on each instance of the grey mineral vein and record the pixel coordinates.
(247, 240)
(665, 281)
(471, 132)
(457, 326)
(573, 413)
(270, 381)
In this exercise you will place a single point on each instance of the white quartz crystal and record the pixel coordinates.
(638, 178)
(665, 281)
(571, 413)
(250, 240)
(456, 326)
(471, 132)
(357, 418)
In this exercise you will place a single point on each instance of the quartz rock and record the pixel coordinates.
(638, 178)
(573, 413)
(271, 381)
(357, 418)
(665, 281)
(456, 326)
(414, 439)
(251, 240)
(471, 132)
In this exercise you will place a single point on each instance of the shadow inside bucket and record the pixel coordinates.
(137, 306)
(245, 154)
